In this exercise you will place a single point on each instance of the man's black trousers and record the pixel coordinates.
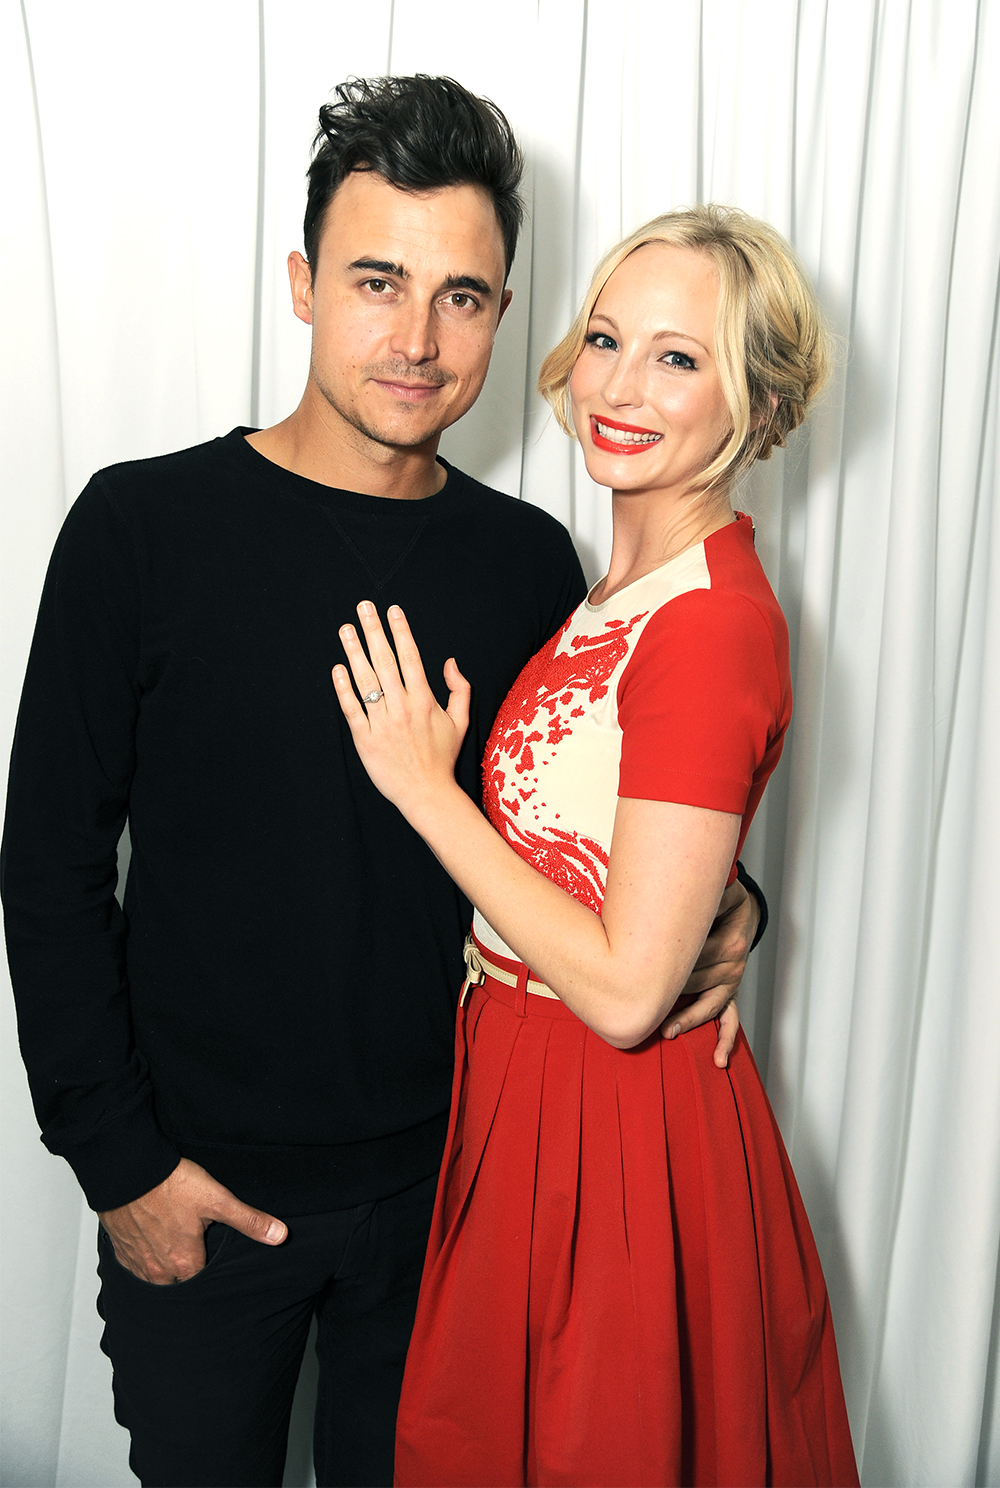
(205, 1370)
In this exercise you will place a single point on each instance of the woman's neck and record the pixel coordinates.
(651, 529)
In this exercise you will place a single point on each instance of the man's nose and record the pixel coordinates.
(413, 334)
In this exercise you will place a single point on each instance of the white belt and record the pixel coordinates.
(478, 967)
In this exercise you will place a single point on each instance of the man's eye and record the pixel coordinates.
(377, 286)
(680, 359)
(461, 300)
(602, 341)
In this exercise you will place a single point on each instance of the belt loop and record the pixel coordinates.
(521, 992)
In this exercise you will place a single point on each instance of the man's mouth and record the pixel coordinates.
(621, 439)
(407, 383)
(411, 392)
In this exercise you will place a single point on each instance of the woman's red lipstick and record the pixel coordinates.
(623, 447)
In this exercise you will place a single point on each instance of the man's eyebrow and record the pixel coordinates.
(468, 281)
(397, 270)
(380, 266)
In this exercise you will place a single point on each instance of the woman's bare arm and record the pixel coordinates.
(621, 971)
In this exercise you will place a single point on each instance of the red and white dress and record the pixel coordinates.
(621, 1286)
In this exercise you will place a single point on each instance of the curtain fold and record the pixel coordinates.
(154, 189)
(41, 1207)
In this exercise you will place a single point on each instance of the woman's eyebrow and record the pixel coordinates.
(659, 336)
(680, 336)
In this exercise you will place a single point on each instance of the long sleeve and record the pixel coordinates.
(245, 1010)
(71, 770)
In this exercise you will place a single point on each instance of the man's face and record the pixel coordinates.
(404, 306)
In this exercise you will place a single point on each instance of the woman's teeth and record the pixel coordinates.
(624, 436)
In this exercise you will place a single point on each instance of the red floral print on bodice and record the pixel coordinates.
(539, 713)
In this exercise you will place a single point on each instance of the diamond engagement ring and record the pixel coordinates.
(372, 697)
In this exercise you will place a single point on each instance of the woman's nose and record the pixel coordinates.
(623, 387)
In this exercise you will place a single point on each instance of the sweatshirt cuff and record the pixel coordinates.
(754, 888)
(123, 1160)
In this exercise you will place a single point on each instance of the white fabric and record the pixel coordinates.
(154, 159)
(579, 778)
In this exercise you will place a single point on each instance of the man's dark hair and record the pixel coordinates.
(419, 133)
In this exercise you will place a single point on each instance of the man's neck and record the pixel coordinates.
(349, 460)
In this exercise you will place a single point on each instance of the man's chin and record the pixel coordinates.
(401, 439)
(400, 431)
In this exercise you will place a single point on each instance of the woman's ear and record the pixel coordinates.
(774, 400)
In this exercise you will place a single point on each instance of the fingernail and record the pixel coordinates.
(394, 610)
(366, 607)
(673, 1032)
(275, 1232)
(347, 630)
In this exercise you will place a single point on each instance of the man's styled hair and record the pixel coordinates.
(419, 133)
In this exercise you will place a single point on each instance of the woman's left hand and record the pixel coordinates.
(407, 742)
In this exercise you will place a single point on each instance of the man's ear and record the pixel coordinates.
(300, 279)
(505, 300)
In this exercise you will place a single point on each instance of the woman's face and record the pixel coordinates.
(647, 402)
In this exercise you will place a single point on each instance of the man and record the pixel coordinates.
(249, 1067)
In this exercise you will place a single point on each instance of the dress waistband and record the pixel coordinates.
(479, 965)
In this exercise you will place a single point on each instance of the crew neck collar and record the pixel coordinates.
(276, 478)
(741, 525)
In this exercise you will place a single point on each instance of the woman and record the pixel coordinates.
(621, 1285)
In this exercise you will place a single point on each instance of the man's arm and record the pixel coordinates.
(715, 980)
(565, 583)
(71, 773)
(160, 1236)
(756, 893)
(70, 777)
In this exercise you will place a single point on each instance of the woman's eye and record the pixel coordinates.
(602, 341)
(679, 359)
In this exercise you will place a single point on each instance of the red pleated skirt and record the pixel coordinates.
(621, 1286)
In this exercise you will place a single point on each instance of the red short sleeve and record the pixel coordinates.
(701, 703)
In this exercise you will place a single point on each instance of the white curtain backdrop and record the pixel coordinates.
(155, 158)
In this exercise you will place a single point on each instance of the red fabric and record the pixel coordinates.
(621, 1286)
(706, 697)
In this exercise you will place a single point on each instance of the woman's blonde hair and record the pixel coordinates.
(771, 347)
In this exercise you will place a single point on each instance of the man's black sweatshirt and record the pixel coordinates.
(276, 998)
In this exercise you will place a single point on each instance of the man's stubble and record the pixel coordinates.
(397, 435)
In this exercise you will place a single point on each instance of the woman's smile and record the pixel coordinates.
(621, 439)
(649, 355)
